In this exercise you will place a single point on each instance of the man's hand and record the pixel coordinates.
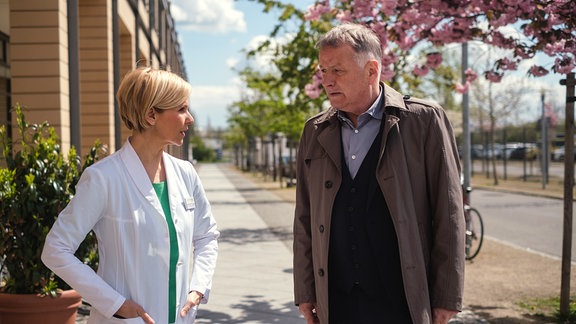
(309, 312)
(130, 309)
(193, 299)
(441, 315)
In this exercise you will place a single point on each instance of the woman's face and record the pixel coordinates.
(172, 124)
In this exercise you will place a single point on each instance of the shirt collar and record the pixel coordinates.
(375, 111)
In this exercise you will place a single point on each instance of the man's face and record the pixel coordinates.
(346, 83)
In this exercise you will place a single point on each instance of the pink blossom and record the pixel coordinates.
(493, 76)
(420, 70)
(316, 10)
(388, 58)
(312, 91)
(556, 47)
(388, 7)
(344, 16)
(537, 71)
(433, 60)
(471, 75)
(506, 64)
(563, 65)
(365, 8)
(387, 74)
(462, 88)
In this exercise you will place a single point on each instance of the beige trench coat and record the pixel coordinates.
(419, 174)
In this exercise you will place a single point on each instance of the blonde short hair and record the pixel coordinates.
(146, 88)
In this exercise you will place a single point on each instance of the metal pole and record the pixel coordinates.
(569, 82)
(116, 73)
(466, 168)
(74, 75)
(544, 138)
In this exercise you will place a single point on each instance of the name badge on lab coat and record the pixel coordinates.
(189, 203)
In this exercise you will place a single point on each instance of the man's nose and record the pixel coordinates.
(327, 80)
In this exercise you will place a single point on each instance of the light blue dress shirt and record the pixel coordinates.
(356, 141)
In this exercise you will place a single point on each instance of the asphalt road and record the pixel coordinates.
(528, 222)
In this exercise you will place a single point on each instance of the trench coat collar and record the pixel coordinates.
(392, 98)
(328, 125)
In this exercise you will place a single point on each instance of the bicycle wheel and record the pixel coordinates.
(474, 233)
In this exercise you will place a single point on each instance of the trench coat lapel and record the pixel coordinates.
(329, 138)
(138, 175)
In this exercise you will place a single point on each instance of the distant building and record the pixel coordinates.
(62, 60)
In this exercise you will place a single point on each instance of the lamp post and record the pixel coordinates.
(544, 137)
(466, 158)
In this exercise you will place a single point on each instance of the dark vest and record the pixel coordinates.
(363, 250)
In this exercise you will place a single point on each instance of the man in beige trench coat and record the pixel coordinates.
(400, 153)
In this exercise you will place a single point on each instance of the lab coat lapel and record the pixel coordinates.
(138, 175)
(173, 184)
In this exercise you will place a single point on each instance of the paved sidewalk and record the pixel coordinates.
(253, 279)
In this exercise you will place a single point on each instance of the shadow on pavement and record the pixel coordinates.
(253, 310)
(241, 236)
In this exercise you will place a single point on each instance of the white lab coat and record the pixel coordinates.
(115, 198)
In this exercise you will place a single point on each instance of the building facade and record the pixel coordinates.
(62, 61)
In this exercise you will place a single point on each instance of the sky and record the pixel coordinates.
(214, 35)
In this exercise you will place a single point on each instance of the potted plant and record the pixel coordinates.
(36, 182)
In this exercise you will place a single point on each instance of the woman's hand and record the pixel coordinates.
(193, 299)
(130, 309)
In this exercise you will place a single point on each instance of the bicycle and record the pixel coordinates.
(474, 227)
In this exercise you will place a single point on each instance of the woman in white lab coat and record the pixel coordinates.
(157, 237)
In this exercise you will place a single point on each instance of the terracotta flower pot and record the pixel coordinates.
(33, 309)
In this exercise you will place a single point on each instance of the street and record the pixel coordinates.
(527, 222)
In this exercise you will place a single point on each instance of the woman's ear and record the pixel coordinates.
(151, 116)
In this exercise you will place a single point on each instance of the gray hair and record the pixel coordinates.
(365, 43)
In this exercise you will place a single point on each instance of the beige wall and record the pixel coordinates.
(38, 68)
(96, 73)
(39, 62)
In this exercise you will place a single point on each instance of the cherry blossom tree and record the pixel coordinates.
(521, 28)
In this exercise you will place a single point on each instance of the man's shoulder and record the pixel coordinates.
(419, 102)
(322, 117)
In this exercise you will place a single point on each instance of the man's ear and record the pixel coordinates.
(372, 66)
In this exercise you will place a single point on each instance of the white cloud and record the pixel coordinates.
(232, 62)
(263, 61)
(208, 16)
(209, 104)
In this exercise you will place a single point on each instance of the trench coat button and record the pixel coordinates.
(406, 97)
(321, 272)
(321, 228)
(353, 190)
(328, 184)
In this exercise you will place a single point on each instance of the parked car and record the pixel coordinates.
(559, 154)
(529, 151)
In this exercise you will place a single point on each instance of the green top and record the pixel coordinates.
(162, 193)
